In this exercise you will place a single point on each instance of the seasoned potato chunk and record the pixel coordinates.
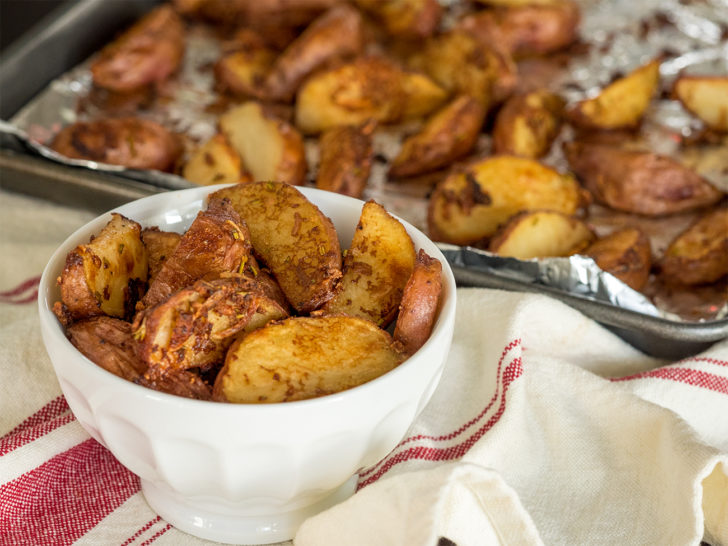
(160, 245)
(469, 206)
(405, 18)
(706, 97)
(304, 357)
(639, 182)
(215, 162)
(418, 309)
(449, 135)
(293, 237)
(540, 234)
(270, 148)
(622, 103)
(105, 276)
(528, 124)
(243, 69)
(345, 159)
(179, 383)
(700, 253)
(376, 268)
(625, 254)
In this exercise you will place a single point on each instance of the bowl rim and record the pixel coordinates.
(443, 327)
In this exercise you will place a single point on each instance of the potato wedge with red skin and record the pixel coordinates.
(215, 162)
(105, 276)
(706, 97)
(305, 357)
(448, 135)
(626, 254)
(418, 308)
(292, 237)
(147, 53)
(527, 124)
(338, 33)
(409, 19)
(376, 268)
(130, 142)
(345, 159)
(699, 254)
(216, 242)
(640, 182)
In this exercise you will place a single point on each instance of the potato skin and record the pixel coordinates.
(626, 254)
(640, 182)
(149, 52)
(409, 19)
(160, 245)
(418, 309)
(271, 14)
(699, 254)
(448, 135)
(243, 68)
(130, 142)
(705, 97)
(345, 159)
(179, 383)
(304, 357)
(528, 124)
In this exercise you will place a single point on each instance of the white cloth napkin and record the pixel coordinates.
(545, 428)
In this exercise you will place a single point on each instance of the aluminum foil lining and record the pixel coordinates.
(616, 36)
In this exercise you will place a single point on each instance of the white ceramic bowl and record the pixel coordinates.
(242, 473)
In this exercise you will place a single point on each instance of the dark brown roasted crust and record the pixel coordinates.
(625, 254)
(179, 383)
(160, 245)
(345, 159)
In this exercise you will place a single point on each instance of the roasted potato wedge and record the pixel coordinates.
(304, 357)
(528, 124)
(468, 206)
(131, 142)
(106, 275)
(418, 309)
(622, 103)
(447, 136)
(293, 237)
(699, 254)
(243, 69)
(336, 34)
(533, 29)
(160, 245)
(541, 234)
(108, 342)
(215, 162)
(217, 242)
(640, 182)
(405, 18)
(147, 53)
(270, 14)
(271, 149)
(376, 268)
(625, 254)
(706, 97)
(367, 88)
(179, 383)
(345, 159)
(194, 327)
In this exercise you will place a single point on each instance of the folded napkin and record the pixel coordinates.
(545, 429)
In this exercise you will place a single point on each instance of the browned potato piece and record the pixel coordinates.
(526, 30)
(159, 245)
(105, 276)
(270, 148)
(293, 237)
(469, 206)
(418, 309)
(345, 159)
(215, 162)
(700, 253)
(625, 254)
(178, 382)
(706, 97)
(376, 268)
(108, 342)
(304, 357)
(256, 13)
(541, 234)
(517, 3)
(217, 242)
(528, 124)
(405, 18)
(149, 52)
(622, 103)
(464, 66)
(448, 135)
(336, 34)
(640, 182)
(131, 142)
(243, 70)
(194, 327)
(367, 88)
